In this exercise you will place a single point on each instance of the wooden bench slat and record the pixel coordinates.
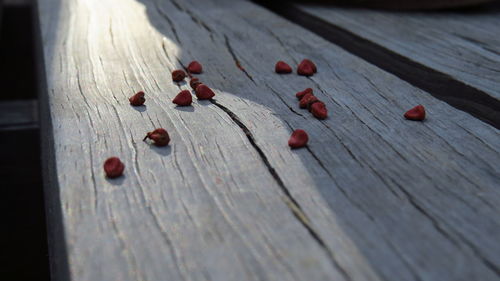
(206, 207)
(461, 44)
(374, 197)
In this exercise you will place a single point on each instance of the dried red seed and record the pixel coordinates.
(159, 137)
(300, 95)
(417, 113)
(194, 82)
(137, 99)
(298, 139)
(318, 110)
(308, 61)
(178, 75)
(195, 67)
(306, 68)
(183, 98)
(203, 92)
(305, 100)
(195, 85)
(311, 101)
(113, 167)
(282, 67)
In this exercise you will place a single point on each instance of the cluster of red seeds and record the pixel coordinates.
(305, 68)
(318, 108)
(113, 167)
(308, 100)
(202, 92)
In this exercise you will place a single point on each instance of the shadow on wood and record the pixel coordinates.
(373, 197)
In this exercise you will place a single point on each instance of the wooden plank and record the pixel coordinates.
(374, 197)
(459, 43)
(18, 114)
(440, 85)
(409, 4)
(187, 211)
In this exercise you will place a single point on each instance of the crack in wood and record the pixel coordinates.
(170, 23)
(235, 58)
(283, 101)
(289, 200)
(193, 18)
(111, 35)
(411, 199)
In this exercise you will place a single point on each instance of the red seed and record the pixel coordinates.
(203, 92)
(113, 167)
(308, 61)
(137, 99)
(306, 68)
(195, 67)
(178, 75)
(159, 137)
(305, 100)
(417, 113)
(282, 67)
(318, 110)
(194, 82)
(183, 98)
(311, 101)
(195, 85)
(298, 139)
(300, 95)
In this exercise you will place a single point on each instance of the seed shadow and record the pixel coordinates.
(205, 102)
(181, 83)
(141, 108)
(185, 108)
(163, 151)
(117, 181)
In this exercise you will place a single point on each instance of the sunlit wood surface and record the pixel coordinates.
(372, 197)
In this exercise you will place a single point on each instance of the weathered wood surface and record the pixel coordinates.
(374, 197)
(465, 45)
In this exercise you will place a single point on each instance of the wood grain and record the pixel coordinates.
(373, 197)
(459, 43)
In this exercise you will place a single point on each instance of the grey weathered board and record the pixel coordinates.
(463, 44)
(373, 197)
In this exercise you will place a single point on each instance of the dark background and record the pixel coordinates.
(23, 239)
